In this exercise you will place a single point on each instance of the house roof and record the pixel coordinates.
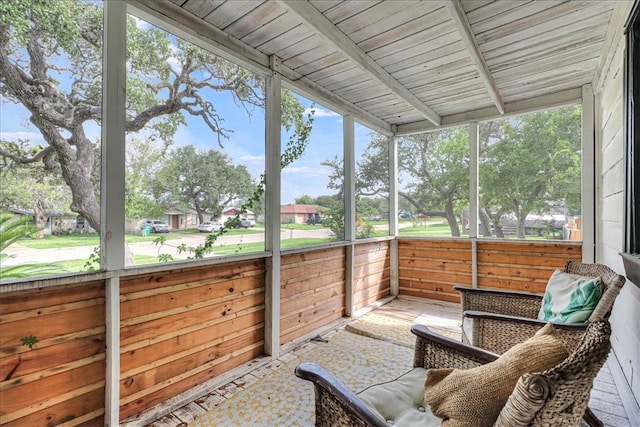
(404, 66)
(299, 209)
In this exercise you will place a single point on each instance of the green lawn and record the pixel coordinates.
(74, 240)
(259, 246)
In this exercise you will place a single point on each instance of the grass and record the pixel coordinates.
(75, 240)
(259, 246)
(78, 265)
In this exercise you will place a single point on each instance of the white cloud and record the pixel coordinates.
(27, 136)
(321, 112)
(306, 170)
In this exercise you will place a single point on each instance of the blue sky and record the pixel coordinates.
(245, 144)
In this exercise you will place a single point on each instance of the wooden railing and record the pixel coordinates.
(182, 326)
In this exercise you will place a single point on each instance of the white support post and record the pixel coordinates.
(393, 213)
(112, 195)
(112, 170)
(348, 139)
(272, 208)
(588, 175)
(474, 199)
(112, 385)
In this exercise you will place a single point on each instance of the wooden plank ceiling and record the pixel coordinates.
(414, 64)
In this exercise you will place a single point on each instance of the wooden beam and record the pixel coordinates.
(325, 28)
(463, 26)
(545, 102)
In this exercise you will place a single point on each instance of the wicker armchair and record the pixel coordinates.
(556, 397)
(497, 320)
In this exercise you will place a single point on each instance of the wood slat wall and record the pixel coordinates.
(430, 268)
(180, 328)
(371, 273)
(312, 291)
(62, 378)
(522, 266)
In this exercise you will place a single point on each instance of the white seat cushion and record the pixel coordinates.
(401, 401)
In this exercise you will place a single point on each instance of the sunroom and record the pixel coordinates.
(400, 107)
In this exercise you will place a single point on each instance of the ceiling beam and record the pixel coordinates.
(525, 106)
(463, 26)
(325, 28)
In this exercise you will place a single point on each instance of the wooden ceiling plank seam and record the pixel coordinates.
(371, 17)
(501, 14)
(315, 55)
(459, 70)
(298, 47)
(324, 5)
(200, 8)
(545, 102)
(258, 18)
(464, 28)
(356, 78)
(557, 24)
(538, 52)
(440, 53)
(281, 31)
(558, 12)
(549, 62)
(536, 49)
(327, 29)
(274, 44)
(541, 74)
(472, 5)
(230, 11)
(318, 63)
(347, 9)
(397, 19)
(419, 30)
(465, 86)
(444, 65)
(438, 46)
(333, 72)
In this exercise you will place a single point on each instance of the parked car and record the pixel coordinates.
(157, 226)
(209, 227)
(315, 220)
(405, 215)
(242, 222)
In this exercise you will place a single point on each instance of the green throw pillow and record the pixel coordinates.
(569, 298)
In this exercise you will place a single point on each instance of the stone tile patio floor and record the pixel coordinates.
(605, 401)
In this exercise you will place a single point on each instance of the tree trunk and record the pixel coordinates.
(485, 223)
(40, 215)
(451, 219)
(521, 233)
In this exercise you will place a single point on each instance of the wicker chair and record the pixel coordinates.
(556, 397)
(497, 320)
